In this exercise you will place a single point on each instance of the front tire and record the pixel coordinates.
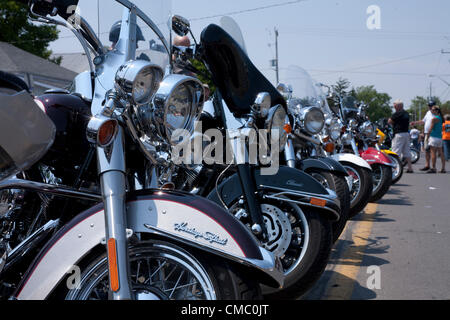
(302, 274)
(163, 271)
(382, 180)
(361, 188)
(415, 155)
(339, 185)
(397, 171)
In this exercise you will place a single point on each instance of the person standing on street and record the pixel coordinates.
(426, 122)
(446, 136)
(414, 133)
(435, 139)
(401, 141)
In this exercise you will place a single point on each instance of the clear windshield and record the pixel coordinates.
(104, 16)
(233, 29)
(322, 92)
(304, 91)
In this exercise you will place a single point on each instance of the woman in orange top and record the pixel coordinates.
(446, 136)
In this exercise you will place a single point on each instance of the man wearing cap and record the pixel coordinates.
(401, 141)
(426, 122)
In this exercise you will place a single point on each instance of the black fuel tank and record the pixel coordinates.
(70, 114)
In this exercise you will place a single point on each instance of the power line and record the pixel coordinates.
(192, 19)
(232, 13)
(373, 73)
(366, 33)
(383, 63)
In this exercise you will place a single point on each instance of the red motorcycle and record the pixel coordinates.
(358, 133)
(381, 171)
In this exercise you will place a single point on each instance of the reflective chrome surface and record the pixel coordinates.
(177, 104)
(313, 119)
(262, 104)
(367, 129)
(276, 120)
(180, 25)
(138, 80)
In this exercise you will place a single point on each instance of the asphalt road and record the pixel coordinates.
(398, 248)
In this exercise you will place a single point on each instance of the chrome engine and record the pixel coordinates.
(11, 200)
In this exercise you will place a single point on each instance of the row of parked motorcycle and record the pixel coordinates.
(94, 206)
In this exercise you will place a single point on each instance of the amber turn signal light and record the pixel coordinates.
(106, 132)
(287, 127)
(318, 202)
(329, 147)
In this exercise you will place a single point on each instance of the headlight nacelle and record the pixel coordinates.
(138, 80)
(277, 120)
(334, 128)
(313, 119)
(176, 105)
(367, 129)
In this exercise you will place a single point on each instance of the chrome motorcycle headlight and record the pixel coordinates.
(367, 129)
(347, 138)
(177, 104)
(277, 120)
(138, 80)
(335, 129)
(313, 119)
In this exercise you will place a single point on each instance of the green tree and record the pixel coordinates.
(204, 75)
(445, 107)
(378, 103)
(341, 87)
(20, 32)
(419, 107)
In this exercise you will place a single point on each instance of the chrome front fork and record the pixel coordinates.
(289, 153)
(111, 166)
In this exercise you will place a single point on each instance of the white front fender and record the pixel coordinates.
(195, 221)
(349, 157)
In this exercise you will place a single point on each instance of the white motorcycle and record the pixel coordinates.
(136, 242)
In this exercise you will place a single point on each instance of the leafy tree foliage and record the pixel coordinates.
(341, 87)
(378, 102)
(419, 107)
(204, 76)
(20, 32)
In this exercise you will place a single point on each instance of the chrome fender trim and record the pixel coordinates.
(329, 203)
(190, 223)
(351, 158)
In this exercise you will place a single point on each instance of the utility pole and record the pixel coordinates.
(276, 56)
(274, 63)
(98, 19)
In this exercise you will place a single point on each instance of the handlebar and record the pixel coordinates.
(52, 7)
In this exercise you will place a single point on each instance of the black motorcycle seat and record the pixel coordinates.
(236, 77)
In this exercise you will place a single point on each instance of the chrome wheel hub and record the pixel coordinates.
(356, 183)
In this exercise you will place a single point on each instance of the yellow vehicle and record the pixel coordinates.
(397, 171)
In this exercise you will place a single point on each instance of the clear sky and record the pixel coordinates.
(330, 39)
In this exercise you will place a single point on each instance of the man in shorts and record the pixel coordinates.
(401, 141)
(427, 129)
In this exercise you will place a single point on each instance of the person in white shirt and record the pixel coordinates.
(427, 129)
(414, 133)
